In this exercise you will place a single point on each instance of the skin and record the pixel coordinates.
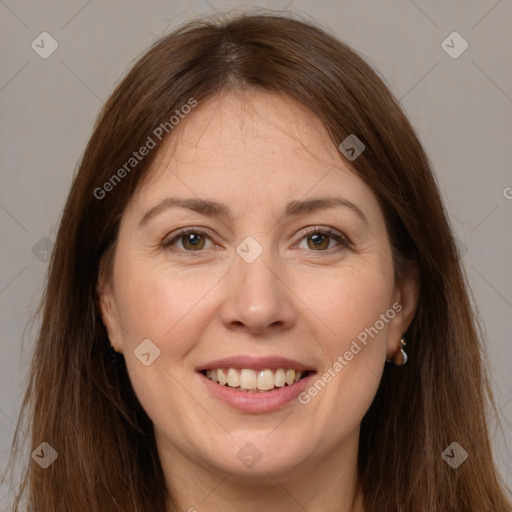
(255, 152)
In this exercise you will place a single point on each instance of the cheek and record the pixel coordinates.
(353, 339)
(170, 307)
(349, 303)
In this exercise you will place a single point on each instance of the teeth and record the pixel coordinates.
(221, 377)
(233, 378)
(265, 380)
(250, 380)
(280, 378)
(212, 375)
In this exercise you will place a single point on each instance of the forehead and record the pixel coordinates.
(256, 129)
(256, 146)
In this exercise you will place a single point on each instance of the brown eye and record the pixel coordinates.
(319, 240)
(191, 241)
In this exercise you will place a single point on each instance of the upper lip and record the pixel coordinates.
(255, 363)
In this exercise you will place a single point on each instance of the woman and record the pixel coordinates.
(255, 300)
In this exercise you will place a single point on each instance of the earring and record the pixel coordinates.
(400, 358)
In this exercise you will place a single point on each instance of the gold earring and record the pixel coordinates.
(400, 358)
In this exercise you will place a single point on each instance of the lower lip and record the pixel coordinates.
(257, 402)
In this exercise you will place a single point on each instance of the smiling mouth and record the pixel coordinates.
(255, 381)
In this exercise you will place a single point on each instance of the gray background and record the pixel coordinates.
(461, 109)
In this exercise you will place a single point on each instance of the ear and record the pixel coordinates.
(405, 297)
(108, 310)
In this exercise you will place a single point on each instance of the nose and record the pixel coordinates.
(257, 298)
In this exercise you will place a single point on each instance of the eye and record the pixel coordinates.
(192, 240)
(319, 239)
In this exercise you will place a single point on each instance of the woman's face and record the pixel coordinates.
(253, 292)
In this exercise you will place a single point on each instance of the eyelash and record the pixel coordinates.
(341, 239)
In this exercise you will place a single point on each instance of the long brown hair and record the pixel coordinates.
(84, 406)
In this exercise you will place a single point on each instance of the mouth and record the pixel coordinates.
(255, 385)
(253, 381)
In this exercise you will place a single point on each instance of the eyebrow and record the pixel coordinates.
(215, 209)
